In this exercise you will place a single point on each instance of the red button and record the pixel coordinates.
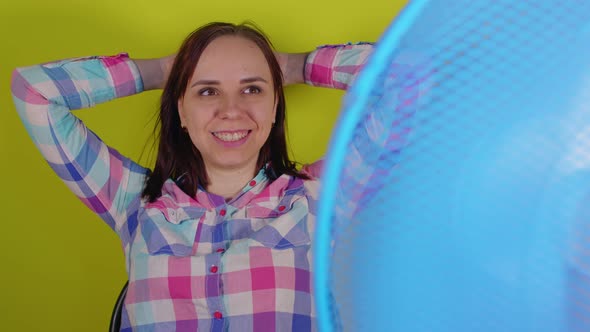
(217, 315)
(221, 250)
(213, 269)
(252, 183)
(222, 213)
(282, 208)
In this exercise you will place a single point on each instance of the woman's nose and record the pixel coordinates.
(230, 107)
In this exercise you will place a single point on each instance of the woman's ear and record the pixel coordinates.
(181, 114)
(274, 112)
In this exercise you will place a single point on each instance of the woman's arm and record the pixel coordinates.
(333, 66)
(154, 72)
(292, 66)
(336, 66)
(46, 94)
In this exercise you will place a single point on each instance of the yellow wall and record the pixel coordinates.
(61, 268)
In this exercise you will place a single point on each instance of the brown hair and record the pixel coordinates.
(178, 158)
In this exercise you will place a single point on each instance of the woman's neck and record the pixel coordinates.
(228, 182)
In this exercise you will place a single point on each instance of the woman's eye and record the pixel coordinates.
(252, 90)
(207, 92)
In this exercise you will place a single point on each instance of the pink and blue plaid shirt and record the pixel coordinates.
(194, 263)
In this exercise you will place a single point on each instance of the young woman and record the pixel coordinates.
(217, 236)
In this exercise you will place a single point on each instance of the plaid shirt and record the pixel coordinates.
(194, 263)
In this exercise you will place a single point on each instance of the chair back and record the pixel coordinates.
(115, 325)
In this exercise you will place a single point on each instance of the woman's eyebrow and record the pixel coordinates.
(253, 79)
(205, 82)
(242, 81)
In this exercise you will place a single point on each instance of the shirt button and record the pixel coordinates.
(213, 269)
(221, 250)
(282, 208)
(222, 212)
(252, 183)
(217, 315)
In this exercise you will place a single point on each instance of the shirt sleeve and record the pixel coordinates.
(336, 66)
(45, 95)
(333, 66)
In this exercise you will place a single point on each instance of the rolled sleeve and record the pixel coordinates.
(336, 66)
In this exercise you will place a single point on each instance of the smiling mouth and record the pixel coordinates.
(231, 136)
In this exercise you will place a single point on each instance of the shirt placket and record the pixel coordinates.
(214, 285)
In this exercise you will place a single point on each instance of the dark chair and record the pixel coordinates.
(115, 325)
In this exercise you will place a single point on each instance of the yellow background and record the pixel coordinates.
(61, 268)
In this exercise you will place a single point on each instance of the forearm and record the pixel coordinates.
(154, 72)
(294, 68)
(77, 83)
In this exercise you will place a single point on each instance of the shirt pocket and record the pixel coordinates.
(284, 227)
(170, 229)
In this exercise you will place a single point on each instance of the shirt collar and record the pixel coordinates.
(249, 191)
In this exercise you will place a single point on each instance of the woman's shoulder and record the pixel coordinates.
(312, 188)
(313, 170)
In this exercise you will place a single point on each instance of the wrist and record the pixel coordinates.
(295, 68)
(165, 67)
(151, 73)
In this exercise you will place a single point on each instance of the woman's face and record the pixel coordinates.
(229, 105)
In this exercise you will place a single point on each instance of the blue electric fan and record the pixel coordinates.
(456, 192)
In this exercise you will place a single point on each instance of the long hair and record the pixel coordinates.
(177, 157)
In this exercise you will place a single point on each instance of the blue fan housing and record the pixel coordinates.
(456, 193)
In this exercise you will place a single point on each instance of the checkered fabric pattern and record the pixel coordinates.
(194, 263)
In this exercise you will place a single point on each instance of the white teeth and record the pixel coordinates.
(231, 137)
